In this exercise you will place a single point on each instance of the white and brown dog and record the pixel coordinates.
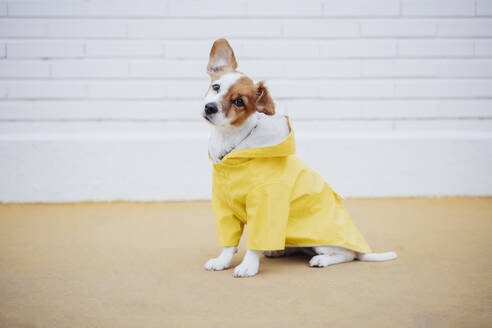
(234, 105)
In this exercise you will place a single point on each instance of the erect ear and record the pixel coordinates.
(264, 103)
(221, 58)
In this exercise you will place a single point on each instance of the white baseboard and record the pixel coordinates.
(67, 167)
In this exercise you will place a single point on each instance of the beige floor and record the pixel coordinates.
(140, 265)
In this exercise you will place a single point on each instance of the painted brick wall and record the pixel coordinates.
(100, 100)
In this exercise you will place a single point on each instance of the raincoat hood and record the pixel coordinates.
(266, 129)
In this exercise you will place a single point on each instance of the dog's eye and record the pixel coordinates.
(216, 87)
(238, 102)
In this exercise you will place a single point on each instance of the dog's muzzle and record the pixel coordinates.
(211, 108)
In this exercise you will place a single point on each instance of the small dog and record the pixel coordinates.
(258, 180)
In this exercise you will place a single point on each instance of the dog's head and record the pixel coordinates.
(232, 97)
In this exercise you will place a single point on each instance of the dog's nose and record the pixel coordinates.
(211, 108)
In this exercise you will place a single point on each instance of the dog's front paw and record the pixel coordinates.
(216, 264)
(246, 270)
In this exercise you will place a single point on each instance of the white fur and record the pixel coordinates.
(223, 261)
(269, 131)
(259, 130)
(249, 266)
(328, 255)
(224, 139)
(377, 257)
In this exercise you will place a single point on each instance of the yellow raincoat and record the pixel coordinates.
(281, 200)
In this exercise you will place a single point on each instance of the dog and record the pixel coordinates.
(258, 180)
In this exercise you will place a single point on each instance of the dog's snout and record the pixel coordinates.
(211, 108)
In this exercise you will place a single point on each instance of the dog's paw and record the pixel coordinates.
(245, 270)
(320, 261)
(272, 254)
(216, 264)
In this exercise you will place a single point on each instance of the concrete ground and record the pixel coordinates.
(140, 265)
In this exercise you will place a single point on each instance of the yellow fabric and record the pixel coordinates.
(281, 200)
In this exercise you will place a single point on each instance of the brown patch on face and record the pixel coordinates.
(239, 110)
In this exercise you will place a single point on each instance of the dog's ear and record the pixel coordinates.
(221, 58)
(264, 102)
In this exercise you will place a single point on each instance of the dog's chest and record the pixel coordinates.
(258, 131)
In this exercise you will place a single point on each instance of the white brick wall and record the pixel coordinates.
(100, 99)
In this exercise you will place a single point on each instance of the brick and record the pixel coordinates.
(315, 109)
(480, 108)
(320, 28)
(469, 125)
(3, 50)
(399, 68)
(427, 68)
(89, 9)
(149, 90)
(438, 8)
(45, 49)
(3, 90)
(388, 109)
(435, 48)
(280, 49)
(465, 68)
(29, 69)
(169, 68)
(203, 29)
(483, 47)
(484, 7)
(357, 89)
(89, 69)
(150, 8)
(86, 28)
(3, 9)
(22, 28)
(289, 89)
(46, 89)
(315, 128)
(302, 89)
(211, 8)
(287, 8)
(465, 28)
(197, 49)
(190, 90)
(127, 90)
(262, 69)
(361, 8)
(40, 9)
(323, 69)
(358, 48)
(93, 110)
(398, 28)
(443, 88)
(124, 49)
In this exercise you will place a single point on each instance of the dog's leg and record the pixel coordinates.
(288, 251)
(330, 255)
(222, 261)
(249, 265)
(277, 253)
